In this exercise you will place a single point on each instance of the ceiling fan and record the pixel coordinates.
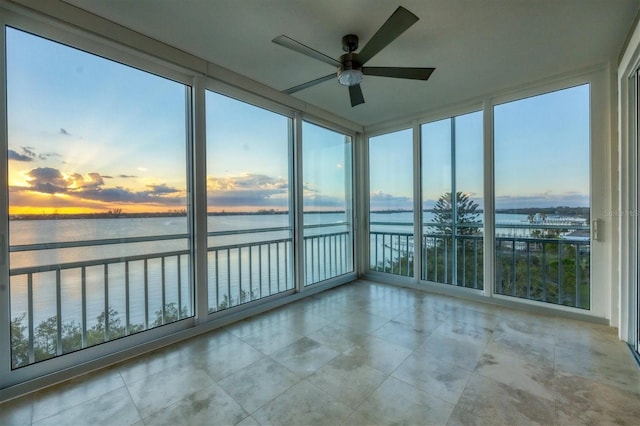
(350, 65)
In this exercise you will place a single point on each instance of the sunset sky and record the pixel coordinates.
(90, 135)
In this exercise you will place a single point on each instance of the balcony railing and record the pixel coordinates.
(327, 256)
(153, 289)
(543, 268)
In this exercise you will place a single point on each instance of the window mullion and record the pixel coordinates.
(199, 198)
(489, 202)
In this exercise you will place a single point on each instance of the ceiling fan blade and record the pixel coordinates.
(399, 72)
(355, 94)
(310, 83)
(290, 43)
(398, 22)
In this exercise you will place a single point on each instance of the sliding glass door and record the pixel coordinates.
(327, 205)
(452, 236)
(249, 215)
(542, 198)
(391, 246)
(99, 236)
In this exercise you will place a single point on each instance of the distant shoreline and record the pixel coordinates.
(147, 215)
(561, 210)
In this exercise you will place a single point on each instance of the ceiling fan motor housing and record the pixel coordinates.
(350, 69)
(350, 43)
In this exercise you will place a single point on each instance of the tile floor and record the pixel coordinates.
(363, 354)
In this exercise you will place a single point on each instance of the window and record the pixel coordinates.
(391, 203)
(452, 251)
(542, 201)
(98, 205)
(328, 231)
(248, 202)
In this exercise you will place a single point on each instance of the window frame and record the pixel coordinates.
(54, 368)
(604, 294)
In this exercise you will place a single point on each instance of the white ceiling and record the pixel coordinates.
(478, 47)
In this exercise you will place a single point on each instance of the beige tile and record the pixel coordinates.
(112, 408)
(475, 315)
(303, 404)
(530, 326)
(74, 392)
(584, 401)
(485, 402)
(613, 366)
(272, 338)
(17, 412)
(252, 325)
(304, 322)
(402, 334)
(347, 379)
(337, 337)
(259, 383)
(379, 354)
(160, 390)
(362, 321)
(581, 335)
(465, 353)
(424, 372)
(304, 356)
(208, 406)
(248, 421)
(206, 342)
(506, 361)
(227, 359)
(358, 419)
(146, 365)
(396, 402)
(426, 319)
(465, 331)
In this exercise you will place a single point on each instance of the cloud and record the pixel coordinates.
(383, 201)
(161, 189)
(94, 181)
(544, 199)
(124, 195)
(46, 155)
(64, 132)
(47, 180)
(29, 154)
(127, 176)
(248, 190)
(28, 150)
(15, 156)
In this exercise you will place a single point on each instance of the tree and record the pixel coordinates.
(19, 342)
(440, 246)
(467, 212)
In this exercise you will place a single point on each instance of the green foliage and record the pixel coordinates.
(45, 339)
(443, 253)
(19, 342)
(554, 272)
(228, 302)
(467, 212)
(171, 314)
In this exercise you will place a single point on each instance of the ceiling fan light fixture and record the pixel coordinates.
(349, 77)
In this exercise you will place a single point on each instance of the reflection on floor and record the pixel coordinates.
(364, 353)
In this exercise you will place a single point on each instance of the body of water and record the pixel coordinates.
(269, 264)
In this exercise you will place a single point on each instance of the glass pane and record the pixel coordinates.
(452, 226)
(391, 203)
(328, 230)
(99, 238)
(248, 199)
(542, 198)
